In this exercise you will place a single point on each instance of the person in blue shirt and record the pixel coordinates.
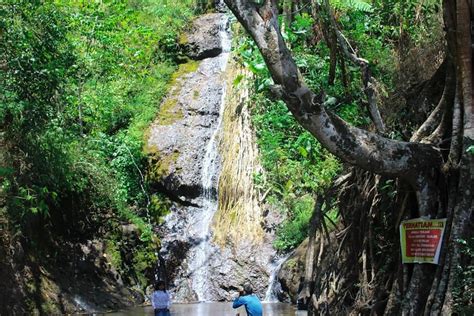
(160, 299)
(252, 304)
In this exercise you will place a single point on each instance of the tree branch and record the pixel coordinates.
(411, 161)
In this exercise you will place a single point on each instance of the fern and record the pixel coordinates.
(354, 5)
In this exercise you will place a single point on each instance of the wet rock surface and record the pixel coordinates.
(202, 40)
(181, 144)
(79, 278)
(178, 148)
(229, 266)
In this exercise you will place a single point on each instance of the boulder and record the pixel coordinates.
(203, 40)
(292, 273)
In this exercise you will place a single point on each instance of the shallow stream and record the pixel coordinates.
(214, 309)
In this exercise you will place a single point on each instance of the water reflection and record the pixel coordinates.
(214, 309)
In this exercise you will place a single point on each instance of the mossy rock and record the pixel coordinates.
(170, 110)
(160, 166)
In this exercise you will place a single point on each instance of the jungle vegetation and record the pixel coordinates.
(363, 113)
(421, 166)
(80, 81)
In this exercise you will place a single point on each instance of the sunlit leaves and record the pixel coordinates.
(296, 165)
(356, 5)
(80, 81)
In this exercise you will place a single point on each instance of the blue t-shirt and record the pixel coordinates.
(252, 304)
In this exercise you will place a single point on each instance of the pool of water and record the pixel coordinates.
(214, 309)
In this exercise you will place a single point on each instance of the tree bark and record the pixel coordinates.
(464, 50)
(305, 292)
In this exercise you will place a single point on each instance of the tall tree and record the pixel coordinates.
(443, 183)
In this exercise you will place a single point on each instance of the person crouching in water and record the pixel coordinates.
(160, 299)
(252, 304)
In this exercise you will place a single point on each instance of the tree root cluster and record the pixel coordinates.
(356, 269)
(351, 265)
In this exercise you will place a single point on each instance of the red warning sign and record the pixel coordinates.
(421, 240)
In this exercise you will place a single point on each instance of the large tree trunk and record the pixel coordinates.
(443, 184)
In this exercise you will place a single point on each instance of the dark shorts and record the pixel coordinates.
(162, 312)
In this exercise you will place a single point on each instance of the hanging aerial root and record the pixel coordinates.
(455, 148)
(438, 116)
(347, 271)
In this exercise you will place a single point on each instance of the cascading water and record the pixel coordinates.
(198, 266)
(190, 168)
(273, 283)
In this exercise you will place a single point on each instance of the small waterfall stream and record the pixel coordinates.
(198, 266)
(273, 283)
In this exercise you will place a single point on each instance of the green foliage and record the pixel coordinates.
(295, 163)
(113, 253)
(295, 159)
(159, 206)
(469, 149)
(393, 19)
(300, 31)
(79, 84)
(144, 259)
(37, 63)
(37, 68)
(372, 42)
(293, 232)
(331, 217)
(204, 6)
(355, 5)
(250, 57)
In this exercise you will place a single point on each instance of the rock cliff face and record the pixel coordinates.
(216, 236)
(76, 278)
(177, 139)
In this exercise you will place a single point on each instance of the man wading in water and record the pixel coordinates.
(252, 304)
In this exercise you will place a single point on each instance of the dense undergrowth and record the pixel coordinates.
(297, 168)
(80, 81)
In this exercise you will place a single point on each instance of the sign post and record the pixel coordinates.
(421, 239)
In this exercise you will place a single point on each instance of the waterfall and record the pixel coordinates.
(273, 283)
(83, 305)
(198, 265)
